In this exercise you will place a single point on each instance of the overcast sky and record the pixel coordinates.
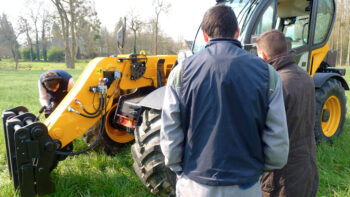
(182, 20)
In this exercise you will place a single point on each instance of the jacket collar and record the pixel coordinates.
(283, 61)
(229, 40)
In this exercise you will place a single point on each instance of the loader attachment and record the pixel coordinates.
(30, 152)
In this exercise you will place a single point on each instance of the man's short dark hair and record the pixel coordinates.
(273, 43)
(220, 21)
(50, 84)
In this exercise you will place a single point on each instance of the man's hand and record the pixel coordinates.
(49, 109)
(43, 108)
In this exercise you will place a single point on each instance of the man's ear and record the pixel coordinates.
(237, 33)
(206, 39)
(264, 56)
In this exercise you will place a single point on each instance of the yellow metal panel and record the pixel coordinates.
(66, 126)
(316, 58)
(150, 76)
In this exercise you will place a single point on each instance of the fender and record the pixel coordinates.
(321, 78)
(154, 99)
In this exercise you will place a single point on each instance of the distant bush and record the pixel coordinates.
(55, 54)
(25, 53)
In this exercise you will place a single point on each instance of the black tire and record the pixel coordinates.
(148, 158)
(331, 87)
(105, 144)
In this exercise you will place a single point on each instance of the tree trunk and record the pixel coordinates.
(43, 41)
(340, 42)
(72, 31)
(31, 51)
(14, 50)
(341, 49)
(134, 41)
(37, 43)
(156, 36)
(67, 50)
(348, 53)
(66, 45)
(16, 60)
(29, 40)
(65, 30)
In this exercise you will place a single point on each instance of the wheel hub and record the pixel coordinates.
(325, 115)
(331, 115)
(116, 134)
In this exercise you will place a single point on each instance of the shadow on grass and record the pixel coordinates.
(97, 174)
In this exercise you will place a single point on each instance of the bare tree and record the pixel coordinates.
(340, 35)
(76, 15)
(9, 35)
(73, 4)
(160, 6)
(135, 25)
(34, 15)
(88, 30)
(347, 7)
(44, 27)
(63, 14)
(25, 27)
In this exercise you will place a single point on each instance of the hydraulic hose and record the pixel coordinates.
(97, 110)
(102, 103)
(102, 127)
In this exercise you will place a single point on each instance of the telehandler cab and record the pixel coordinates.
(119, 99)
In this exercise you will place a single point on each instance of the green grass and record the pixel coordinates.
(334, 161)
(8, 64)
(91, 174)
(96, 174)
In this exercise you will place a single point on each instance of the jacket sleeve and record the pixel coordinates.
(70, 84)
(275, 135)
(43, 97)
(171, 133)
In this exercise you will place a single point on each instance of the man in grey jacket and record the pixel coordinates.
(223, 118)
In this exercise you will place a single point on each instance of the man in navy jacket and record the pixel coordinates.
(223, 118)
(53, 85)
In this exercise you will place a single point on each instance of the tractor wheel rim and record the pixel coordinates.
(330, 126)
(116, 135)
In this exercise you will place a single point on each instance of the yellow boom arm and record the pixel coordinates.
(65, 126)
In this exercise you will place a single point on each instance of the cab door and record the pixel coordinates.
(294, 24)
(323, 20)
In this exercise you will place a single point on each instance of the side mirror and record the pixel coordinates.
(253, 39)
(121, 35)
(252, 46)
(305, 32)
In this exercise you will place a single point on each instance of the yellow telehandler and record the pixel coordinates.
(119, 99)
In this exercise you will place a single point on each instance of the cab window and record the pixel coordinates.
(266, 20)
(296, 30)
(325, 12)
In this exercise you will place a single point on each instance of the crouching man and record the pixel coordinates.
(223, 118)
(300, 176)
(54, 85)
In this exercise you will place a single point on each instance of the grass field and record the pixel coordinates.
(96, 174)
